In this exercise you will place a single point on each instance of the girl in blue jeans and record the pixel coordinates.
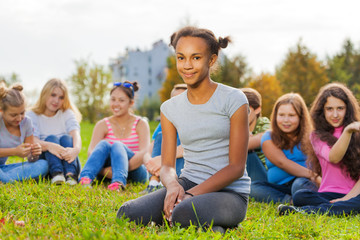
(284, 148)
(56, 128)
(16, 138)
(118, 143)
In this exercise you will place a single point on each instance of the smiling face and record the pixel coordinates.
(334, 111)
(193, 60)
(287, 119)
(120, 103)
(12, 116)
(54, 102)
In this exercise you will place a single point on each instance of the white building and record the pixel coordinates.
(148, 68)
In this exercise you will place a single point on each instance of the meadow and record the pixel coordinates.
(64, 212)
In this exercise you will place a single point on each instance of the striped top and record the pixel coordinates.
(132, 142)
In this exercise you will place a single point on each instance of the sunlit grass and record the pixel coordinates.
(63, 212)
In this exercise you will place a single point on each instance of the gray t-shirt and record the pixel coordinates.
(204, 132)
(7, 140)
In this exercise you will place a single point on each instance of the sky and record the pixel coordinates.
(41, 39)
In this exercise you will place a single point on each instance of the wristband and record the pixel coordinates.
(187, 193)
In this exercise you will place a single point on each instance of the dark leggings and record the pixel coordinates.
(224, 208)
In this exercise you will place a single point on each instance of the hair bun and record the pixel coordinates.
(17, 86)
(135, 85)
(223, 42)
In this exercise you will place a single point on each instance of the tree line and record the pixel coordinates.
(301, 71)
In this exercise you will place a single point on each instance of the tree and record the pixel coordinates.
(90, 86)
(345, 67)
(269, 88)
(301, 72)
(14, 78)
(232, 72)
(150, 108)
(172, 78)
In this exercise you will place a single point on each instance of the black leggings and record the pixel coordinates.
(224, 208)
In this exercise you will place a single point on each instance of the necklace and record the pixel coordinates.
(122, 132)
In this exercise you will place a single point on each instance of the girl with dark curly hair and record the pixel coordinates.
(335, 156)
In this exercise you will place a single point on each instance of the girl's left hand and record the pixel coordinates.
(353, 127)
(339, 199)
(69, 154)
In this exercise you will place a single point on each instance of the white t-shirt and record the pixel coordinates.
(60, 124)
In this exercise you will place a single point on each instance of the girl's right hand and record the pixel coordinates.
(353, 127)
(23, 150)
(174, 195)
(56, 149)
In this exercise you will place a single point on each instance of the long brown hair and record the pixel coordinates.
(40, 105)
(324, 131)
(283, 140)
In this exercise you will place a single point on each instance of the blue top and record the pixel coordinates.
(277, 175)
(7, 140)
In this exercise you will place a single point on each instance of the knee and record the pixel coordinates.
(126, 211)
(184, 214)
(104, 144)
(53, 139)
(66, 141)
(117, 145)
(300, 195)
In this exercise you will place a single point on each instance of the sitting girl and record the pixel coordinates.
(212, 122)
(56, 128)
(16, 138)
(336, 144)
(118, 143)
(284, 149)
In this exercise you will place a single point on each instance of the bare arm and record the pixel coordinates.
(168, 176)
(278, 158)
(353, 193)
(239, 138)
(339, 149)
(255, 141)
(143, 132)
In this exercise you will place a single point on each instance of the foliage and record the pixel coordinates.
(13, 78)
(150, 108)
(63, 212)
(269, 88)
(232, 72)
(90, 87)
(302, 73)
(172, 78)
(345, 67)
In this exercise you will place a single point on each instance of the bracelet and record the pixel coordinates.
(189, 193)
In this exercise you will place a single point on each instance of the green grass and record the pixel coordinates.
(63, 212)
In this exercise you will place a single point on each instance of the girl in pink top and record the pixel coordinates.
(336, 154)
(118, 143)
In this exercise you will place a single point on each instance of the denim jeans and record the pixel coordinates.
(116, 155)
(255, 168)
(263, 191)
(58, 165)
(23, 171)
(222, 208)
(319, 202)
(157, 152)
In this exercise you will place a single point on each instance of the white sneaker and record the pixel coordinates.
(58, 179)
(70, 180)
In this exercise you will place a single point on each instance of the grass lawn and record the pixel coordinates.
(63, 212)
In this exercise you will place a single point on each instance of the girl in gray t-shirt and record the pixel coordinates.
(212, 122)
(16, 138)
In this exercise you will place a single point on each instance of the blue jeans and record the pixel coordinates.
(117, 156)
(255, 168)
(319, 202)
(157, 152)
(263, 191)
(23, 171)
(57, 165)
